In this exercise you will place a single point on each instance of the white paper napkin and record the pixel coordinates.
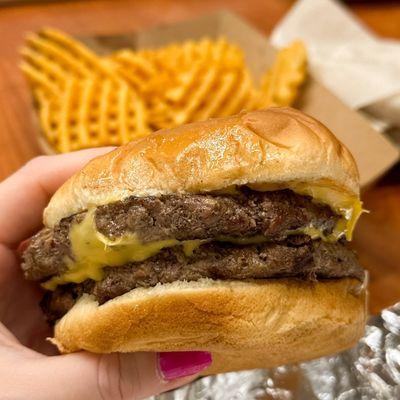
(361, 69)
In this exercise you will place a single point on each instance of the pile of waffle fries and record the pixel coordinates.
(86, 100)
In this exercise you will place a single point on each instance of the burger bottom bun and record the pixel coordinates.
(244, 324)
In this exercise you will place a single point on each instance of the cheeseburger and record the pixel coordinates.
(228, 235)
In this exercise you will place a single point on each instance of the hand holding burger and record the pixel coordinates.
(29, 365)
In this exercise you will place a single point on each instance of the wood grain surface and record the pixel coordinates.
(377, 238)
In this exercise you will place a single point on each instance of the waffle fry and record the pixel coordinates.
(69, 53)
(280, 85)
(136, 69)
(82, 102)
(91, 113)
(190, 73)
(85, 100)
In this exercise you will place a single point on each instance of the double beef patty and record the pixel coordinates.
(274, 215)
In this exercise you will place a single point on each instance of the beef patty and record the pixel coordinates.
(183, 217)
(273, 215)
(298, 256)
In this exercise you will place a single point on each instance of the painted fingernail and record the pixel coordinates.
(174, 365)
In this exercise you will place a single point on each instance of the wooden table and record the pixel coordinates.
(377, 237)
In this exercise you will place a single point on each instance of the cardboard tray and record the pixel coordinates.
(373, 152)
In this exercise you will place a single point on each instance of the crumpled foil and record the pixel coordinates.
(371, 370)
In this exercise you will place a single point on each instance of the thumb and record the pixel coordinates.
(104, 376)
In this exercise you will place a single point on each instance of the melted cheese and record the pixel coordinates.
(92, 251)
(343, 203)
(189, 246)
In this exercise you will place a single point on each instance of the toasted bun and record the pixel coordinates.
(277, 145)
(244, 324)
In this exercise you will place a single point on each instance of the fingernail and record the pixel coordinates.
(178, 364)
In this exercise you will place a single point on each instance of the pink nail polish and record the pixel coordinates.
(178, 364)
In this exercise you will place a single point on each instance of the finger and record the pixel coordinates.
(25, 194)
(6, 337)
(105, 377)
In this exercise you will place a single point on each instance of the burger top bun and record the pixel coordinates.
(276, 145)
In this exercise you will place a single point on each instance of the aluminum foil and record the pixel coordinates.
(371, 370)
